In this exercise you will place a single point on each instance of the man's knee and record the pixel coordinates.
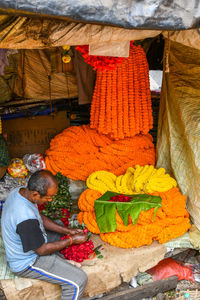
(84, 279)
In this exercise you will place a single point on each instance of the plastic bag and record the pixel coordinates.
(17, 168)
(34, 162)
(169, 267)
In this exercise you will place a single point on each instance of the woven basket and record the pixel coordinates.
(194, 295)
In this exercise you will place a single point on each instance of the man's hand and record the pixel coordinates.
(48, 248)
(79, 238)
(73, 231)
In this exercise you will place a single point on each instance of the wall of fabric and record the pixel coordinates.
(178, 142)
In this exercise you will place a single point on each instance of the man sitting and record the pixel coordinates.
(30, 250)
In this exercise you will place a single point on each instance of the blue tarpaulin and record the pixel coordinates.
(146, 14)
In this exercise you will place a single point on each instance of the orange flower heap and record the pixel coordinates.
(171, 221)
(121, 105)
(79, 151)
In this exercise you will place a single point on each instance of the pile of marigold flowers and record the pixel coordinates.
(171, 221)
(79, 151)
(77, 252)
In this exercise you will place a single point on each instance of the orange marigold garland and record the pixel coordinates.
(79, 151)
(87, 199)
(121, 105)
(170, 222)
(80, 217)
(89, 219)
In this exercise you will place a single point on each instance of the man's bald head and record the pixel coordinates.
(41, 181)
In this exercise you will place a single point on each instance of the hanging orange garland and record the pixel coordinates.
(121, 105)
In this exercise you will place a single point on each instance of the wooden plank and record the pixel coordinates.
(187, 251)
(175, 252)
(147, 290)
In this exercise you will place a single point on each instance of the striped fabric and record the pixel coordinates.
(37, 81)
(5, 272)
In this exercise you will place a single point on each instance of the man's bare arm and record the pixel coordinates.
(48, 248)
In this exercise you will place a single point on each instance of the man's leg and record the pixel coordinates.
(55, 269)
(53, 236)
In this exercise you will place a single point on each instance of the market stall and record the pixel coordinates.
(132, 197)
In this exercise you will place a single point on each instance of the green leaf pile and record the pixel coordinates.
(61, 200)
(105, 210)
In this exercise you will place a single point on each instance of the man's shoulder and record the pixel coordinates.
(15, 200)
(14, 193)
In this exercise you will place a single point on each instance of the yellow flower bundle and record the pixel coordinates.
(121, 104)
(171, 221)
(141, 179)
(79, 151)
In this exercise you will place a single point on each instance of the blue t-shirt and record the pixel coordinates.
(18, 213)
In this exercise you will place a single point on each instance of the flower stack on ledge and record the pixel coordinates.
(115, 154)
(149, 220)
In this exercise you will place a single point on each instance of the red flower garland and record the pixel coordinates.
(77, 252)
(99, 63)
(120, 198)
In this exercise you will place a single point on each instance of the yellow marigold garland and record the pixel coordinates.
(139, 180)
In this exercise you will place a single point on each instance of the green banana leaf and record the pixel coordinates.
(105, 210)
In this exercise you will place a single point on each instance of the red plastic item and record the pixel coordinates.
(169, 267)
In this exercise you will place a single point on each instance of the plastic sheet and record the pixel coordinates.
(34, 162)
(76, 187)
(153, 14)
(8, 183)
(169, 267)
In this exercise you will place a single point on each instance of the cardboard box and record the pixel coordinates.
(33, 135)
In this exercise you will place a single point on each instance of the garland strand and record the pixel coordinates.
(121, 105)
